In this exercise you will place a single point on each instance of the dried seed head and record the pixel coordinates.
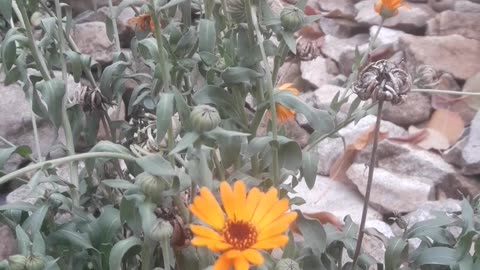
(383, 81)
(91, 100)
(426, 76)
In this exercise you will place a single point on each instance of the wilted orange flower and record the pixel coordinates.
(283, 113)
(142, 22)
(388, 8)
(247, 223)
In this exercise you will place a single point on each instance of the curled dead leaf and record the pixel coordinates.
(322, 217)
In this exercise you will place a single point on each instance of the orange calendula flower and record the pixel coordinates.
(388, 8)
(246, 223)
(283, 113)
(142, 22)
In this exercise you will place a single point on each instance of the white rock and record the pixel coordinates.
(471, 153)
(316, 71)
(386, 36)
(332, 43)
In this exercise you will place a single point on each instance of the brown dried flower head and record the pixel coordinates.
(383, 81)
(426, 76)
(92, 100)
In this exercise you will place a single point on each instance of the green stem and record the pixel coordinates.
(269, 85)
(34, 126)
(165, 75)
(7, 142)
(371, 169)
(148, 249)
(114, 25)
(219, 166)
(58, 161)
(279, 59)
(437, 91)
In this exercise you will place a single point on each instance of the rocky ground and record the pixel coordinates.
(428, 158)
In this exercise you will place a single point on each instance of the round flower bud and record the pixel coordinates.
(292, 18)
(17, 262)
(152, 186)
(204, 118)
(35, 263)
(236, 10)
(161, 231)
(287, 264)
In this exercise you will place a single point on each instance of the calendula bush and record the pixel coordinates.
(130, 202)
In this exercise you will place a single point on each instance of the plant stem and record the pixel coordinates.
(65, 120)
(269, 85)
(371, 169)
(114, 25)
(279, 59)
(219, 166)
(58, 161)
(148, 248)
(34, 126)
(7, 142)
(437, 91)
(165, 75)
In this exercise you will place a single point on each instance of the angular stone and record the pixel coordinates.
(322, 97)
(413, 19)
(332, 43)
(441, 5)
(79, 6)
(386, 36)
(92, 39)
(338, 8)
(471, 153)
(8, 245)
(466, 6)
(316, 72)
(334, 197)
(452, 22)
(391, 192)
(453, 54)
(341, 28)
(416, 109)
(428, 210)
(290, 72)
(371, 244)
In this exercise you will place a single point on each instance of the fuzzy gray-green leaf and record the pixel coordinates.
(131, 245)
(165, 110)
(53, 92)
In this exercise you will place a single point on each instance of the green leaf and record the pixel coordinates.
(147, 216)
(6, 153)
(468, 216)
(148, 49)
(125, 4)
(119, 183)
(22, 206)
(130, 246)
(290, 155)
(395, 251)
(198, 163)
(35, 221)
(109, 224)
(234, 75)
(188, 139)
(130, 215)
(104, 146)
(9, 47)
(38, 245)
(77, 239)
(309, 167)
(110, 75)
(77, 121)
(170, 4)
(290, 41)
(207, 38)
(437, 256)
(156, 165)
(313, 233)
(6, 9)
(422, 227)
(23, 241)
(165, 110)
(211, 94)
(109, 28)
(53, 92)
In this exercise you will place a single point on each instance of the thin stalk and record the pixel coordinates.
(219, 166)
(114, 24)
(7, 142)
(371, 169)
(165, 75)
(269, 85)
(437, 91)
(58, 161)
(34, 126)
(65, 120)
(279, 59)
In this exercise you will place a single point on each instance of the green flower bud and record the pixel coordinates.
(161, 231)
(17, 262)
(204, 118)
(236, 10)
(152, 186)
(35, 263)
(292, 18)
(287, 264)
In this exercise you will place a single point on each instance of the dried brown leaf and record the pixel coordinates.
(322, 217)
(448, 123)
(413, 138)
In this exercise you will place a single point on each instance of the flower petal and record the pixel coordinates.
(232, 254)
(222, 263)
(253, 256)
(240, 196)
(278, 226)
(212, 205)
(226, 194)
(265, 205)
(202, 214)
(275, 212)
(271, 243)
(205, 232)
(253, 198)
(240, 263)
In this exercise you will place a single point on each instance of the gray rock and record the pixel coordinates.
(414, 110)
(290, 72)
(334, 197)
(429, 210)
(341, 28)
(338, 8)
(452, 54)
(441, 5)
(371, 244)
(316, 72)
(392, 192)
(412, 19)
(79, 6)
(323, 96)
(471, 153)
(452, 22)
(386, 36)
(466, 6)
(92, 39)
(332, 43)
(8, 245)
(331, 148)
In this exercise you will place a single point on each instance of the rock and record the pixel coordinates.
(470, 154)
(416, 109)
(338, 9)
(8, 245)
(92, 39)
(371, 244)
(386, 36)
(429, 210)
(441, 5)
(290, 72)
(334, 197)
(323, 96)
(341, 28)
(331, 148)
(466, 6)
(412, 19)
(316, 71)
(79, 6)
(332, 43)
(452, 54)
(452, 22)
(391, 192)
(125, 31)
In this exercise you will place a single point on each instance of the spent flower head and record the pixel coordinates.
(245, 224)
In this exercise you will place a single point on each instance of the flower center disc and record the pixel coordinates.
(241, 235)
